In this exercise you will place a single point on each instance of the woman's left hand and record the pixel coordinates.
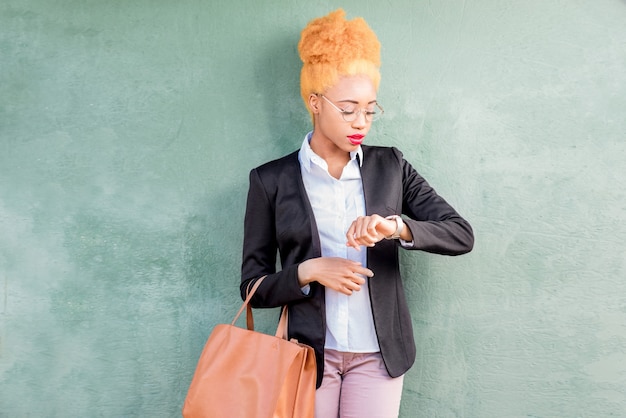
(368, 230)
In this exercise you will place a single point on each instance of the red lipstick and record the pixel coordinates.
(356, 139)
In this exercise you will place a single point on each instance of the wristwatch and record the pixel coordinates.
(399, 226)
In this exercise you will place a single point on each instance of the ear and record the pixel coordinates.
(314, 103)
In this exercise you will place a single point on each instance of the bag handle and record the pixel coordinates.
(281, 330)
(246, 304)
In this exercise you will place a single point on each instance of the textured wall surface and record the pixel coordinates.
(127, 129)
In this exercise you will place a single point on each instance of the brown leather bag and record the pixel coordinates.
(246, 374)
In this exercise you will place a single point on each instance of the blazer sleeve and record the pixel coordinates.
(260, 248)
(436, 226)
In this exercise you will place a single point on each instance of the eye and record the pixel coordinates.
(348, 110)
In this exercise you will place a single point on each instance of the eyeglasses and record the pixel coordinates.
(350, 113)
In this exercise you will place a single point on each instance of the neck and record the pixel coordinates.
(326, 149)
(335, 157)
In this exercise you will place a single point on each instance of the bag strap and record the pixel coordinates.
(281, 330)
(246, 304)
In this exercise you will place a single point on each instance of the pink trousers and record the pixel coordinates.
(357, 385)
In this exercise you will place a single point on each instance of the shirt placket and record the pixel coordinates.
(342, 299)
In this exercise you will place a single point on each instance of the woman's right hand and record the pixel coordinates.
(344, 276)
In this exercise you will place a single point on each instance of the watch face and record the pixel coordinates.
(399, 226)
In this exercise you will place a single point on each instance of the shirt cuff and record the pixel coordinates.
(306, 289)
(407, 244)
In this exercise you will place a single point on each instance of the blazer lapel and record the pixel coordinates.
(293, 174)
(374, 184)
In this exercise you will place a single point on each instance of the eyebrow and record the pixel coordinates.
(356, 102)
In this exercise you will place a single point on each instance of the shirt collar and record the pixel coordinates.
(306, 154)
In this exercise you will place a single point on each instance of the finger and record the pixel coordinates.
(357, 272)
(357, 279)
(364, 271)
(346, 288)
(353, 243)
(361, 227)
(364, 230)
(368, 233)
(342, 289)
(366, 240)
(372, 230)
(352, 286)
(351, 240)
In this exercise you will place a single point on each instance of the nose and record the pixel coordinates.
(360, 122)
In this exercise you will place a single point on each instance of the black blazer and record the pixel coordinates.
(279, 218)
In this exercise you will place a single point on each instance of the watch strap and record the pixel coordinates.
(399, 226)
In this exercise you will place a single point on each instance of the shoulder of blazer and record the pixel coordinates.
(277, 164)
(278, 171)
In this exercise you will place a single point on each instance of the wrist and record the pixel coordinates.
(303, 276)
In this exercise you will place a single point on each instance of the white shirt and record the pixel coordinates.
(336, 203)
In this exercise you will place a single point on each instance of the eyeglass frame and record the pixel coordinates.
(369, 116)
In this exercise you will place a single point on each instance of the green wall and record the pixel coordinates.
(127, 130)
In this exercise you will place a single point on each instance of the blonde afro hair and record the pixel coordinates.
(331, 47)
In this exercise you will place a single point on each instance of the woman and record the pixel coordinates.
(332, 211)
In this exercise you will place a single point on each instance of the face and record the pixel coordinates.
(332, 134)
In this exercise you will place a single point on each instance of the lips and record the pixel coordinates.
(356, 139)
